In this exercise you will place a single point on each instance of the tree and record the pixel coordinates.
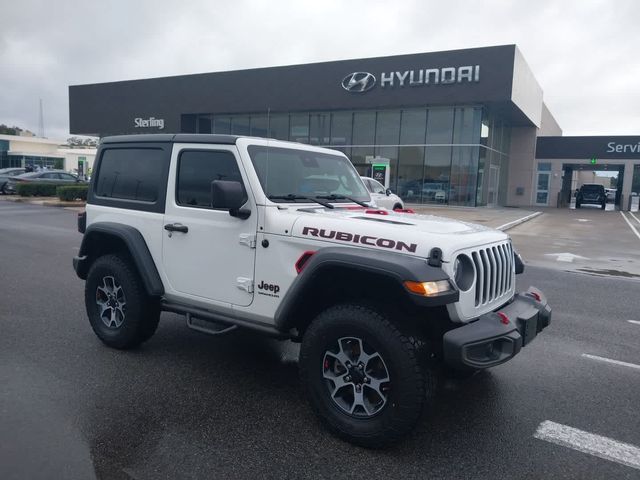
(6, 130)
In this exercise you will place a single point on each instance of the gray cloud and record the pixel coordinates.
(583, 53)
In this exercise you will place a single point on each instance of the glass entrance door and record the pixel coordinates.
(542, 188)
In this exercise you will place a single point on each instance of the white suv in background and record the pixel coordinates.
(383, 197)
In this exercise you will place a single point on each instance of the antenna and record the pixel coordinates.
(41, 121)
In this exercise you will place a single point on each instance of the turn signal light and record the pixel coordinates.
(535, 295)
(428, 289)
(503, 318)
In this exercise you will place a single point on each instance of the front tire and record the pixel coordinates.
(397, 206)
(365, 379)
(121, 314)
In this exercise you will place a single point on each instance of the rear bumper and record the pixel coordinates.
(498, 336)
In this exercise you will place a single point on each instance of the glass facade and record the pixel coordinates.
(442, 155)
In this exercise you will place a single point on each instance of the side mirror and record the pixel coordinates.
(230, 195)
(388, 191)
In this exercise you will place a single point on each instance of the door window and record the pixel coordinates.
(197, 169)
(377, 187)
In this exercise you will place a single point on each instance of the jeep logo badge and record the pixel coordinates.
(359, 82)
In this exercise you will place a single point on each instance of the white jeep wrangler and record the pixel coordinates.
(280, 238)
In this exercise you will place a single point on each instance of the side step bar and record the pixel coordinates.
(220, 322)
(209, 326)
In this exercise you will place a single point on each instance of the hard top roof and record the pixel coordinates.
(172, 137)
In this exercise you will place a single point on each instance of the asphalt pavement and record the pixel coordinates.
(187, 405)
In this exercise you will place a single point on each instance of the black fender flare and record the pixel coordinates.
(397, 267)
(135, 244)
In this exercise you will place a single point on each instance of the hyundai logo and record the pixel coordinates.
(358, 82)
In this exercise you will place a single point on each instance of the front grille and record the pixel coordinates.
(494, 277)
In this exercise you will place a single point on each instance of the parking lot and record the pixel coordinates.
(587, 240)
(187, 405)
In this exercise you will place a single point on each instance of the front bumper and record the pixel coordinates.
(498, 336)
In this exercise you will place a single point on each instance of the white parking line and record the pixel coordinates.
(634, 321)
(609, 360)
(509, 225)
(637, 220)
(630, 225)
(599, 446)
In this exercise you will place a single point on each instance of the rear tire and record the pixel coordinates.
(121, 314)
(394, 382)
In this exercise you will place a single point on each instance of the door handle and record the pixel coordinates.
(176, 227)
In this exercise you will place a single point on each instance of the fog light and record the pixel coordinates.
(428, 289)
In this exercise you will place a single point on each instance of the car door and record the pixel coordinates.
(208, 255)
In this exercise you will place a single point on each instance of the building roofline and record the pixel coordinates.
(273, 67)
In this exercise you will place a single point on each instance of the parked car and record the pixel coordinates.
(5, 173)
(591, 194)
(383, 197)
(56, 177)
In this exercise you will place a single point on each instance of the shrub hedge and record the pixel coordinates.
(70, 193)
(34, 189)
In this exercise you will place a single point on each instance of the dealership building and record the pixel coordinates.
(464, 127)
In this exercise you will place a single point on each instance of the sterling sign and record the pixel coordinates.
(360, 82)
(150, 122)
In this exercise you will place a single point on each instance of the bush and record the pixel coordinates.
(72, 192)
(34, 189)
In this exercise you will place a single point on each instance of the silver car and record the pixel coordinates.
(383, 197)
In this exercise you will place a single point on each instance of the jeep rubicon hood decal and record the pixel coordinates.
(357, 238)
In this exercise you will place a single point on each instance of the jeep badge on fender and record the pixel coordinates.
(381, 301)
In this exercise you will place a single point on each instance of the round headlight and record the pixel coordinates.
(463, 272)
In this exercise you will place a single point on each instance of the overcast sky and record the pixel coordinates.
(585, 54)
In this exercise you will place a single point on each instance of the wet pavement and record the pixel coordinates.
(587, 240)
(187, 405)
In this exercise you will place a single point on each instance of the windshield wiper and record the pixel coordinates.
(333, 196)
(294, 197)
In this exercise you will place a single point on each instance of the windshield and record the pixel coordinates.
(288, 171)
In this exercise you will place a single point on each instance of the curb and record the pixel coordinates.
(515, 223)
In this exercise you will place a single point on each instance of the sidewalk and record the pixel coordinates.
(495, 217)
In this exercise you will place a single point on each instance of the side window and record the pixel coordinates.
(367, 184)
(66, 176)
(197, 169)
(50, 176)
(130, 174)
(377, 187)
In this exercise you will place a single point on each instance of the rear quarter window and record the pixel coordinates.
(133, 177)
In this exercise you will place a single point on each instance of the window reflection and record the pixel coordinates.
(436, 154)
